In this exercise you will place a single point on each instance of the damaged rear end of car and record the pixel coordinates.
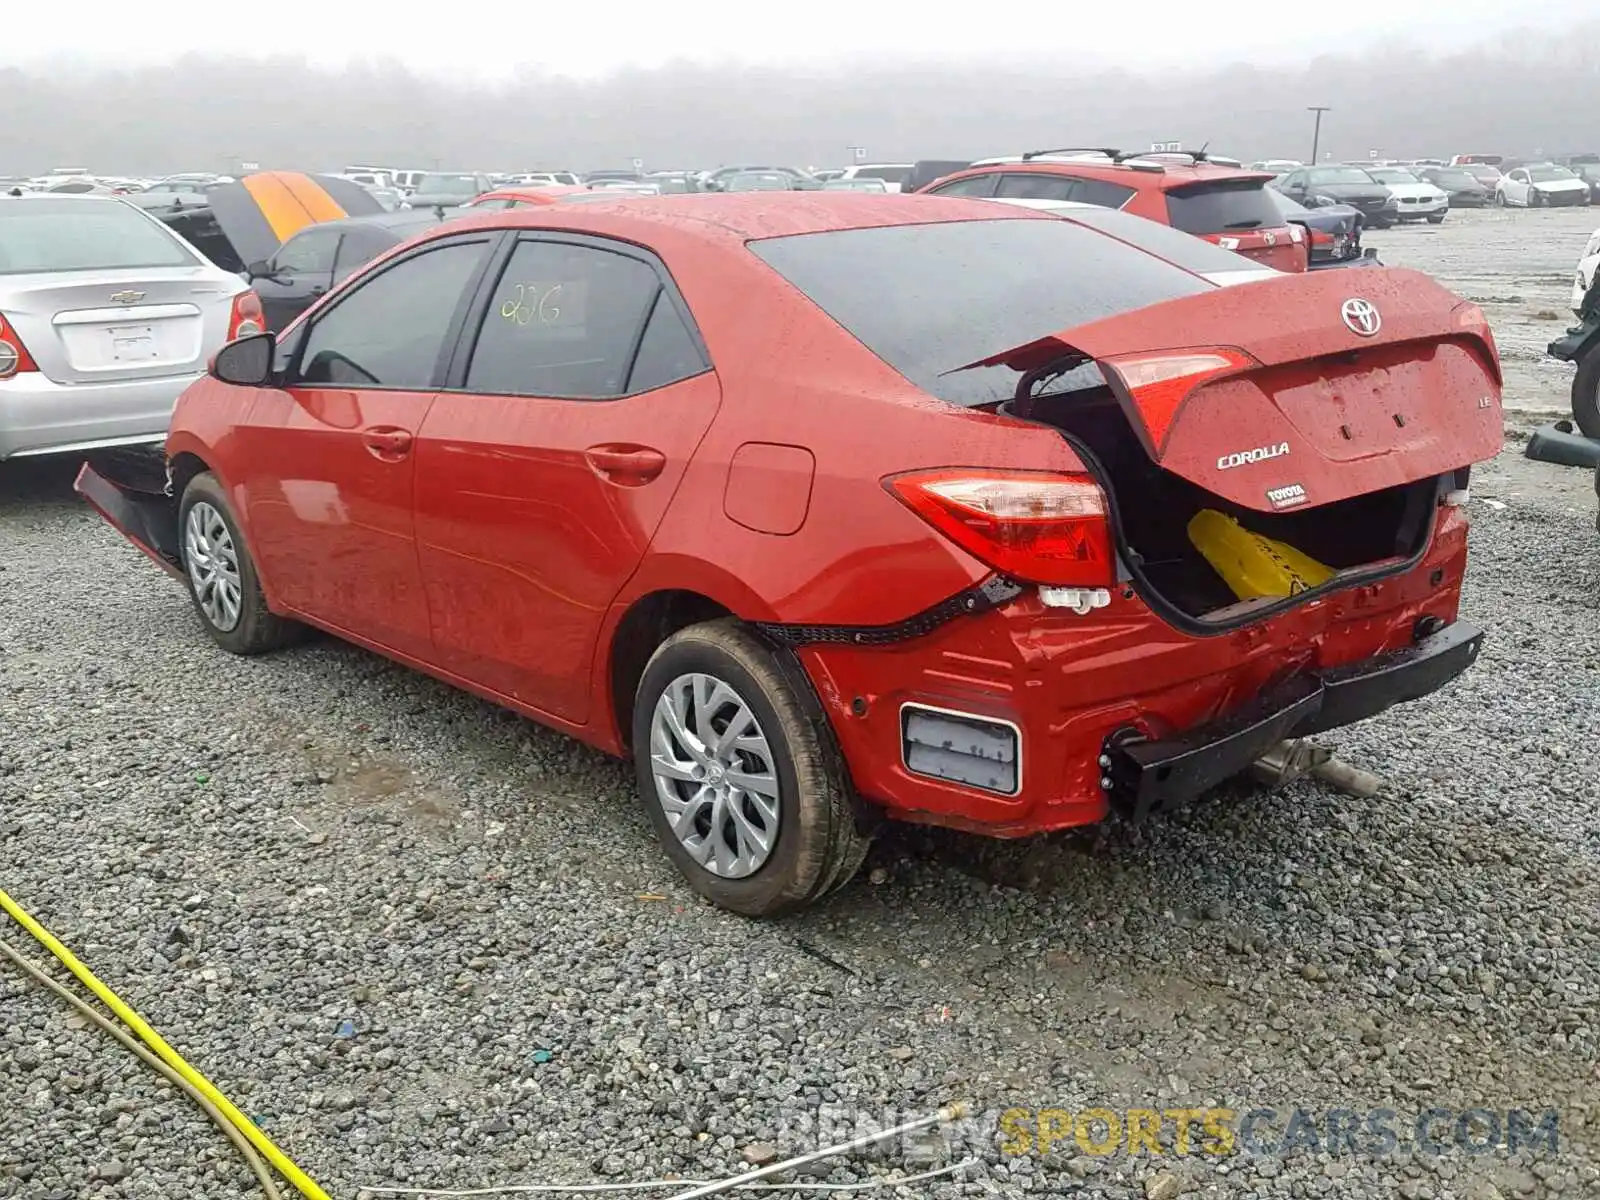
(1262, 536)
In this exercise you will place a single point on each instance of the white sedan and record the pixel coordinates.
(1588, 267)
(1417, 199)
(1538, 185)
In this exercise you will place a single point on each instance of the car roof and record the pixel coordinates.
(734, 218)
(1139, 173)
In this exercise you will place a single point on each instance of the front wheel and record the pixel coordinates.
(1586, 395)
(222, 576)
(1436, 219)
(739, 770)
(1499, 199)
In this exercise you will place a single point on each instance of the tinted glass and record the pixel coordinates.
(1450, 178)
(1036, 187)
(1216, 207)
(563, 321)
(1549, 174)
(1323, 176)
(929, 299)
(1391, 175)
(1286, 205)
(1098, 191)
(360, 246)
(1184, 249)
(308, 253)
(83, 235)
(972, 185)
(668, 353)
(449, 185)
(887, 174)
(389, 330)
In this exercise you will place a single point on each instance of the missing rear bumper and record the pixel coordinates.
(147, 519)
(1150, 776)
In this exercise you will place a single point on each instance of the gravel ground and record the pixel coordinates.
(424, 943)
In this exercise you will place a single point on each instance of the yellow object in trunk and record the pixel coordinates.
(1252, 565)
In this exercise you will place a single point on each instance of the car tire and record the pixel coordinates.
(1436, 219)
(1499, 199)
(1586, 395)
(221, 575)
(747, 850)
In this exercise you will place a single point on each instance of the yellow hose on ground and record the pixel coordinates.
(302, 1182)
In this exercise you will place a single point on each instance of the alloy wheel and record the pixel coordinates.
(213, 564)
(715, 775)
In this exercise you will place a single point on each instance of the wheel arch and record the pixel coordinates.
(637, 631)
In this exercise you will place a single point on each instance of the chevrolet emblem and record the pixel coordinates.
(126, 297)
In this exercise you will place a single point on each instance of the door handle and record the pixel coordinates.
(624, 464)
(387, 442)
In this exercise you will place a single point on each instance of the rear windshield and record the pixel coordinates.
(1215, 207)
(83, 235)
(449, 185)
(1186, 250)
(929, 299)
(887, 174)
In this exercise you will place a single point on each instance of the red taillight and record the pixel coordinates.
(247, 316)
(1321, 238)
(1035, 526)
(1159, 383)
(14, 357)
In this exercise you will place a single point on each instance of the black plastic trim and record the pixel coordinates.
(1152, 776)
(990, 594)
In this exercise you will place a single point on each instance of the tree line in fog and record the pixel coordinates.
(1527, 93)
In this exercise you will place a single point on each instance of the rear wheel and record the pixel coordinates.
(222, 575)
(1586, 394)
(739, 770)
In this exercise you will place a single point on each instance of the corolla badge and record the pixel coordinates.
(1361, 316)
(1259, 454)
(129, 297)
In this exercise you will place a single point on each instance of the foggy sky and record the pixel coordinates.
(1520, 92)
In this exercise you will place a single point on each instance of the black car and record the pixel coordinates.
(1334, 231)
(1459, 183)
(1587, 168)
(319, 256)
(1317, 186)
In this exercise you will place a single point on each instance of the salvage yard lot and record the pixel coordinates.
(424, 943)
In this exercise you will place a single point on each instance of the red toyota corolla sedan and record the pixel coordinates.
(831, 507)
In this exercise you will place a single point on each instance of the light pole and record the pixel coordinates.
(1316, 131)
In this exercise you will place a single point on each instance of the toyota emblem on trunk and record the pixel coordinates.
(1361, 316)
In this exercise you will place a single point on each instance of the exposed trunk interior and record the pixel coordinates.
(1155, 506)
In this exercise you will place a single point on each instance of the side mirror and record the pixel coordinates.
(260, 269)
(246, 361)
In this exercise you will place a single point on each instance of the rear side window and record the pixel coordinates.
(1036, 187)
(388, 331)
(1101, 193)
(564, 321)
(929, 299)
(1220, 205)
(83, 235)
(972, 185)
(668, 352)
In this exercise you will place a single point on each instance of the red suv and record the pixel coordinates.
(827, 507)
(1223, 204)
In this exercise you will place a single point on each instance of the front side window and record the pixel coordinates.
(308, 253)
(389, 330)
(563, 321)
